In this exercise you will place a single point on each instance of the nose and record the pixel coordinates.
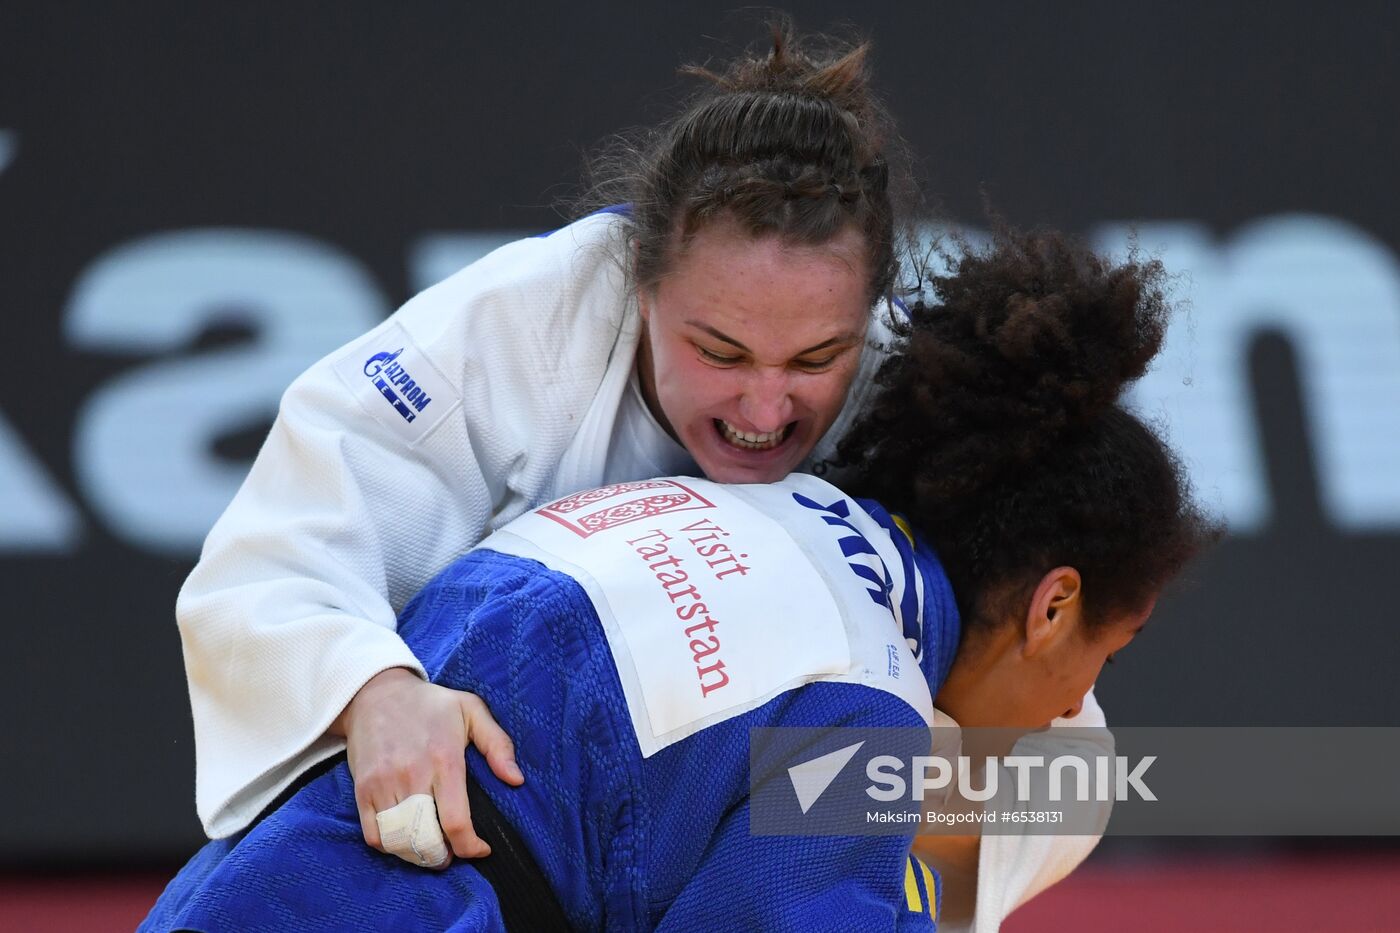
(767, 400)
(1073, 710)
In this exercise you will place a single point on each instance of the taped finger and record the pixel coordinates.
(410, 830)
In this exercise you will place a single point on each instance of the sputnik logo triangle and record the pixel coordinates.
(811, 778)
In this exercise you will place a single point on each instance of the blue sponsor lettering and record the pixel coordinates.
(375, 363)
(865, 562)
(396, 384)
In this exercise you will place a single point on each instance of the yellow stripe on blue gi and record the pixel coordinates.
(903, 526)
(920, 888)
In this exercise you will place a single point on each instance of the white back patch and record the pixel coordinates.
(689, 583)
(715, 599)
(397, 383)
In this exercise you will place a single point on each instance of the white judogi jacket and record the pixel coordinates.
(489, 394)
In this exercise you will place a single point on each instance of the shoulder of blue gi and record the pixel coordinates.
(925, 605)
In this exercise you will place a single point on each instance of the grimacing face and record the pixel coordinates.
(750, 345)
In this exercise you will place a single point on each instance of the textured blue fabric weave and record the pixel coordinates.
(627, 843)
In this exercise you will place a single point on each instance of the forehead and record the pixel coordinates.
(767, 286)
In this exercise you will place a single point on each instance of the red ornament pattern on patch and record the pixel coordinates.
(681, 499)
(589, 496)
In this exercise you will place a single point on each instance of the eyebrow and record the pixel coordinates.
(825, 344)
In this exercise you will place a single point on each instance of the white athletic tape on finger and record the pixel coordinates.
(410, 830)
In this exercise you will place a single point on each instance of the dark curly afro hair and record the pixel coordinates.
(999, 430)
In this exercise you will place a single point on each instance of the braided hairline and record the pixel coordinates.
(763, 196)
(719, 185)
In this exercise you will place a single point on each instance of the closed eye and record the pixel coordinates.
(717, 358)
(815, 365)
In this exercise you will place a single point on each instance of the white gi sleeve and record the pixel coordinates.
(388, 459)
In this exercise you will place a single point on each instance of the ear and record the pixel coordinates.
(1054, 610)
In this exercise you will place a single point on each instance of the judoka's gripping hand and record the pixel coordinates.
(405, 736)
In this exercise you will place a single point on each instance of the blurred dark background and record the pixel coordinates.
(198, 201)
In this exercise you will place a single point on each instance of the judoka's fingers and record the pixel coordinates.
(399, 731)
(454, 812)
(369, 825)
(490, 739)
(371, 799)
(410, 830)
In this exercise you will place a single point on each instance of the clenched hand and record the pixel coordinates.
(405, 736)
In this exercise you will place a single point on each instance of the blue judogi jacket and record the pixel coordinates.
(627, 842)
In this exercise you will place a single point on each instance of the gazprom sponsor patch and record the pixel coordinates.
(397, 383)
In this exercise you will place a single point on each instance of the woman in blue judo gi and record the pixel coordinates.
(629, 637)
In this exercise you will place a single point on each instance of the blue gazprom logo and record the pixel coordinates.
(396, 385)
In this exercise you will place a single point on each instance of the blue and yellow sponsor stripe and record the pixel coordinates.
(921, 888)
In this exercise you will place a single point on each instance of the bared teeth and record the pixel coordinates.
(749, 440)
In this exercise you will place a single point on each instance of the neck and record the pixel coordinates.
(968, 693)
(646, 377)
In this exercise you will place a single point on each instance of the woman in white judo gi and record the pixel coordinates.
(716, 328)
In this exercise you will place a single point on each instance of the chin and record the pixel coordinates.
(725, 472)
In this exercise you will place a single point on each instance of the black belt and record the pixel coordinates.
(528, 903)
